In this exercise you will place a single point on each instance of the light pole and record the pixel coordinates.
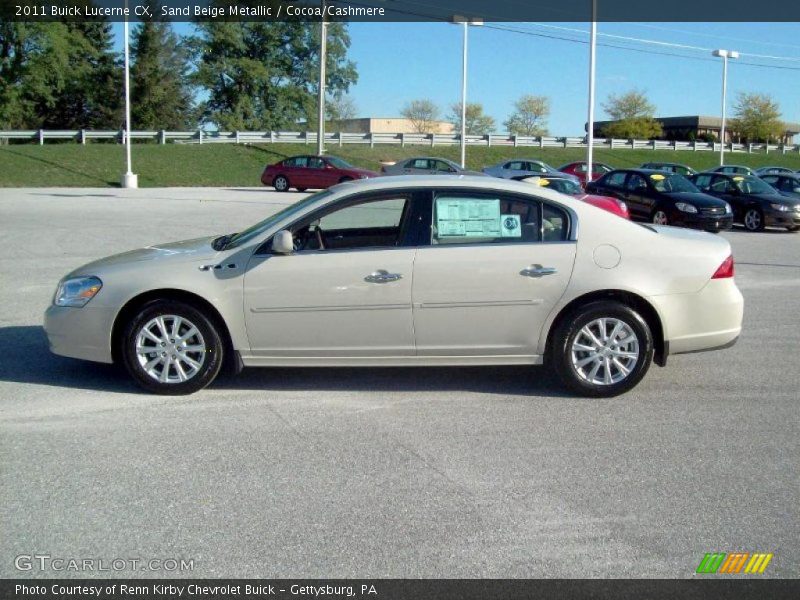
(465, 23)
(725, 55)
(590, 117)
(323, 52)
(129, 179)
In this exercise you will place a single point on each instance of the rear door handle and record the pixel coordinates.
(537, 271)
(381, 276)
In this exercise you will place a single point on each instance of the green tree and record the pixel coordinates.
(161, 97)
(338, 109)
(478, 122)
(757, 118)
(422, 113)
(529, 116)
(633, 114)
(263, 76)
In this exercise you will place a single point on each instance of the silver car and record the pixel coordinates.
(426, 165)
(524, 167)
(408, 271)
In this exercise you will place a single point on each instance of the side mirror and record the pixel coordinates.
(283, 243)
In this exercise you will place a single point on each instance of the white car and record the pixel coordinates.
(426, 270)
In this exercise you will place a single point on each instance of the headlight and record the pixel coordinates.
(687, 208)
(781, 207)
(728, 209)
(76, 292)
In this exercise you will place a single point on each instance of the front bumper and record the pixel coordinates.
(702, 221)
(778, 218)
(704, 320)
(83, 333)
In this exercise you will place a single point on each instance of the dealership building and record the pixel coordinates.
(699, 127)
(385, 125)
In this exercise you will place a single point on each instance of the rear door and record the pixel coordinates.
(494, 267)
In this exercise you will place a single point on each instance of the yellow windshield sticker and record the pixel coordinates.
(544, 182)
(738, 178)
(657, 177)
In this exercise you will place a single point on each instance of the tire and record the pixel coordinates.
(193, 370)
(344, 179)
(281, 183)
(659, 217)
(584, 379)
(753, 219)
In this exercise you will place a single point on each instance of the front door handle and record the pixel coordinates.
(381, 276)
(537, 271)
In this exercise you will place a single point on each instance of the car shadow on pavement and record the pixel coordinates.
(30, 361)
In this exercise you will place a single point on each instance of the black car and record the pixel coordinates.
(664, 198)
(756, 204)
(787, 184)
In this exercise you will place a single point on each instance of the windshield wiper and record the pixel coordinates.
(222, 241)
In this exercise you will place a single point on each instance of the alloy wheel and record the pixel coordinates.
(281, 183)
(752, 219)
(170, 349)
(605, 351)
(660, 218)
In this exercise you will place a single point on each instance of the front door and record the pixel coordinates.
(346, 291)
(496, 266)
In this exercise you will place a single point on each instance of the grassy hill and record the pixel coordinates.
(100, 165)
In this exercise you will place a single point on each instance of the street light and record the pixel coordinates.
(323, 48)
(466, 22)
(129, 179)
(724, 55)
(590, 117)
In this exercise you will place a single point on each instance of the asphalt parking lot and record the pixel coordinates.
(448, 472)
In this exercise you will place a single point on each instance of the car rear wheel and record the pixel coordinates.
(660, 217)
(172, 348)
(281, 183)
(602, 349)
(753, 219)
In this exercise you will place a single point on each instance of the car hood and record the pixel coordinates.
(697, 198)
(775, 198)
(186, 251)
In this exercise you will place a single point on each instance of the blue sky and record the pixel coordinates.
(398, 62)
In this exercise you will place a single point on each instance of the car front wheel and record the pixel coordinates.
(172, 348)
(753, 220)
(602, 349)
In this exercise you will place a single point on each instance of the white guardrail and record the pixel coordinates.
(373, 139)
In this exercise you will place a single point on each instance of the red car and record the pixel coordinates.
(317, 172)
(578, 169)
(570, 188)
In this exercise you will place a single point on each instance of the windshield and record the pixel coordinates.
(672, 184)
(752, 185)
(254, 231)
(565, 186)
(338, 162)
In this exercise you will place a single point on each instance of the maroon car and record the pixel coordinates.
(579, 169)
(317, 172)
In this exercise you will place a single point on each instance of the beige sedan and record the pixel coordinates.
(436, 270)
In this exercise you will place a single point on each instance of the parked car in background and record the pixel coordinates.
(670, 167)
(756, 204)
(731, 170)
(562, 185)
(311, 172)
(408, 271)
(664, 199)
(772, 170)
(787, 184)
(426, 165)
(521, 167)
(579, 170)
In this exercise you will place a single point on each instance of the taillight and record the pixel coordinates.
(725, 269)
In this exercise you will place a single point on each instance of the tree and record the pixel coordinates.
(161, 97)
(338, 109)
(757, 118)
(263, 75)
(633, 116)
(478, 123)
(422, 114)
(529, 116)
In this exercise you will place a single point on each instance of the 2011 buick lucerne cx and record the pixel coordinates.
(435, 270)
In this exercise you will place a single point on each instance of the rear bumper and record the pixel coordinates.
(706, 320)
(83, 333)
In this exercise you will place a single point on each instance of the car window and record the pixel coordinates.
(749, 184)
(555, 224)
(599, 169)
(703, 181)
(443, 166)
(297, 161)
(417, 163)
(636, 183)
(316, 163)
(536, 167)
(371, 223)
(788, 184)
(513, 166)
(464, 218)
(721, 185)
(558, 184)
(672, 183)
(616, 180)
(771, 179)
(581, 168)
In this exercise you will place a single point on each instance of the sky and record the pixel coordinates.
(399, 62)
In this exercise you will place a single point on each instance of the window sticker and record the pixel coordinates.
(657, 177)
(468, 217)
(511, 226)
(740, 178)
